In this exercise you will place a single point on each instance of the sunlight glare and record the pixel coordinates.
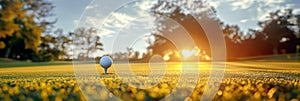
(188, 53)
(166, 57)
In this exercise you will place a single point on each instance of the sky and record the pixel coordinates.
(68, 11)
(241, 12)
(244, 13)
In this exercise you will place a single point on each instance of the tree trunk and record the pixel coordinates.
(275, 51)
(7, 52)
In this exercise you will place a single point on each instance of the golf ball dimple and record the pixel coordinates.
(105, 62)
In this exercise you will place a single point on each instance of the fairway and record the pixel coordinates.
(242, 81)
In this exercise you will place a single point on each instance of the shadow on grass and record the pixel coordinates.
(8, 64)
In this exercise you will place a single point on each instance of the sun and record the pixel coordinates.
(166, 57)
(188, 53)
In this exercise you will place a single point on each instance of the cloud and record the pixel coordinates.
(114, 23)
(110, 26)
(91, 6)
(293, 20)
(290, 5)
(215, 4)
(146, 5)
(76, 22)
(119, 20)
(93, 21)
(267, 2)
(139, 18)
(106, 32)
(262, 7)
(242, 4)
(262, 16)
(297, 10)
(244, 20)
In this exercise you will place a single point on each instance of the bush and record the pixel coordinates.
(43, 57)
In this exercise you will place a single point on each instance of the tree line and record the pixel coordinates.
(26, 33)
(278, 34)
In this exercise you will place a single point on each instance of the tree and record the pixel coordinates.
(21, 25)
(276, 36)
(233, 33)
(160, 45)
(277, 28)
(53, 46)
(130, 52)
(136, 55)
(63, 43)
(182, 12)
(86, 41)
(120, 56)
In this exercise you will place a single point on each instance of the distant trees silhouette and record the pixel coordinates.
(54, 46)
(86, 41)
(279, 34)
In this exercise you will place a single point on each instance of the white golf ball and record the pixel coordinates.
(105, 62)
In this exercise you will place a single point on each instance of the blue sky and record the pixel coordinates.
(68, 11)
(245, 13)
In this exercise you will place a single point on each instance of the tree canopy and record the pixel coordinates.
(21, 25)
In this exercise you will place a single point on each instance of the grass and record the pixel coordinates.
(279, 57)
(5, 63)
(259, 81)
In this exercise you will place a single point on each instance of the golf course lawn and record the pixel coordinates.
(267, 81)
